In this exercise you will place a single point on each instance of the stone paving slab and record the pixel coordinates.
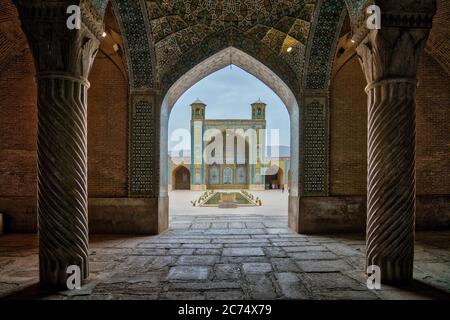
(256, 267)
(229, 256)
(243, 252)
(198, 260)
(323, 266)
(291, 286)
(188, 273)
(313, 255)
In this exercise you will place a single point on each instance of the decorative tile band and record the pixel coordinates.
(143, 144)
(100, 5)
(231, 37)
(323, 44)
(315, 150)
(354, 7)
(136, 37)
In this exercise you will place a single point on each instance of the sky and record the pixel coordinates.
(228, 94)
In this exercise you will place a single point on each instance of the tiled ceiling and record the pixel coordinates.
(178, 26)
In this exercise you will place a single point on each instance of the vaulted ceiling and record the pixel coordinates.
(294, 38)
(182, 33)
(178, 26)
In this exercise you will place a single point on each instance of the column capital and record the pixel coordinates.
(392, 53)
(406, 14)
(57, 49)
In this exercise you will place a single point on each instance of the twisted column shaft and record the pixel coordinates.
(62, 178)
(63, 58)
(391, 178)
(390, 57)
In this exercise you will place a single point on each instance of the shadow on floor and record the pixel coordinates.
(29, 292)
(424, 290)
(427, 290)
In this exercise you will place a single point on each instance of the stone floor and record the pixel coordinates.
(275, 203)
(228, 257)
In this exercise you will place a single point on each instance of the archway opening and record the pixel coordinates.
(274, 180)
(181, 178)
(227, 175)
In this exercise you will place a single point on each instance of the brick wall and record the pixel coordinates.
(18, 114)
(348, 124)
(348, 131)
(433, 129)
(107, 130)
(18, 124)
(108, 117)
(107, 125)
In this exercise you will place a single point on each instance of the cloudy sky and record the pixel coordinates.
(228, 94)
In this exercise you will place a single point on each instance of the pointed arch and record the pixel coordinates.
(138, 42)
(220, 41)
(181, 178)
(261, 71)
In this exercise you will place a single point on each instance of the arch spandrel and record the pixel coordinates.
(230, 38)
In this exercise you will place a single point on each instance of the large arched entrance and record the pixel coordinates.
(260, 71)
(274, 179)
(181, 178)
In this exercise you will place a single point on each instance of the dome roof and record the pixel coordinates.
(258, 102)
(198, 101)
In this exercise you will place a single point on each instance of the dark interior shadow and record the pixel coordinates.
(343, 236)
(428, 291)
(31, 292)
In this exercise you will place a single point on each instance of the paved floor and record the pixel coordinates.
(228, 256)
(275, 203)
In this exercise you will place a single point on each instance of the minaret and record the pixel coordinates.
(258, 110)
(198, 110)
(257, 169)
(197, 145)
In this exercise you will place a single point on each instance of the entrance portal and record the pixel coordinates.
(275, 181)
(214, 63)
(181, 179)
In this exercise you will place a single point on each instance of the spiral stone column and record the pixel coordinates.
(62, 178)
(391, 178)
(63, 58)
(389, 57)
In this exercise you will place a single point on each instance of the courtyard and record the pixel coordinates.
(211, 253)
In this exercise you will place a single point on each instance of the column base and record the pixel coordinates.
(53, 276)
(293, 214)
(163, 214)
(395, 272)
